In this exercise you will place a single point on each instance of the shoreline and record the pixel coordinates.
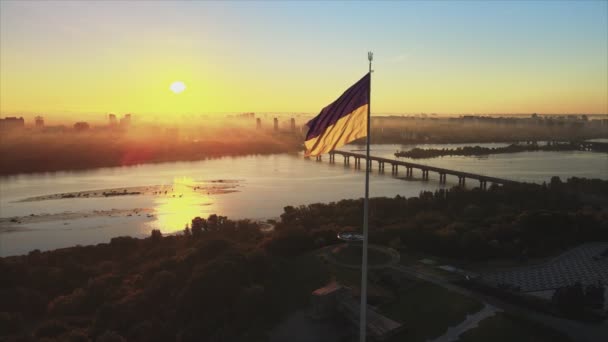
(14, 224)
(85, 168)
(210, 187)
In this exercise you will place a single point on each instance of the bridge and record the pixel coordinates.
(409, 169)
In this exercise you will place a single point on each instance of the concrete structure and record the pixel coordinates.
(587, 264)
(81, 126)
(112, 120)
(12, 122)
(292, 125)
(39, 122)
(125, 121)
(425, 169)
(335, 299)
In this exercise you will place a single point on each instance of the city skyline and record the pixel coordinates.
(64, 59)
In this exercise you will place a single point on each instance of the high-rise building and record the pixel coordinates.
(12, 122)
(258, 123)
(39, 122)
(112, 120)
(126, 121)
(276, 124)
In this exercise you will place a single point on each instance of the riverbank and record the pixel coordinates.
(419, 153)
(40, 153)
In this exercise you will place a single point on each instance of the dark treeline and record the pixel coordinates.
(418, 153)
(221, 280)
(411, 130)
(514, 221)
(37, 152)
(225, 280)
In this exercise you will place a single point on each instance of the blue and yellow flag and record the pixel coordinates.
(343, 121)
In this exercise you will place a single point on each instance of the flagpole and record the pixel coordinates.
(363, 309)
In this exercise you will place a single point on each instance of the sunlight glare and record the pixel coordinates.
(177, 87)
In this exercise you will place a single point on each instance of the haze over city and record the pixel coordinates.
(67, 58)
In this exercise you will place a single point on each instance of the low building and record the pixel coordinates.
(335, 299)
(12, 122)
(81, 126)
(39, 122)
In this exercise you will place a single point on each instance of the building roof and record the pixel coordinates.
(327, 289)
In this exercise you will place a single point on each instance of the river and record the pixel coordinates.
(259, 187)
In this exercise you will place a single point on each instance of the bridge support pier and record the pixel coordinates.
(409, 169)
(461, 180)
(408, 172)
(482, 184)
(425, 175)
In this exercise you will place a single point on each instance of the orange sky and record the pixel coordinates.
(68, 59)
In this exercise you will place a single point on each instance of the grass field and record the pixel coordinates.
(427, 311)
(352, 255)
(508, 328)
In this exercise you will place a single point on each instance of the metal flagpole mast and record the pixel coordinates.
(363, 315)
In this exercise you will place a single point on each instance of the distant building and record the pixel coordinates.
(292, 124)
(12, 122)
(125, 121)
(81, 126)
(335, 299)
(54, 129)
(258, 123)
(39, 122)
(245, 116)
(276, 124)
(112, 120)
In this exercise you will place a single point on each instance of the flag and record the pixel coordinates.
(343, 121)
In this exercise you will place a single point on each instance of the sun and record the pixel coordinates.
(177, 87)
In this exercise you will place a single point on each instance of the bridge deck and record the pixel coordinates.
(428, 168)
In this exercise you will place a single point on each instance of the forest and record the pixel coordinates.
(420, 153)
(511, 221)
(227, 280)
(47, 152)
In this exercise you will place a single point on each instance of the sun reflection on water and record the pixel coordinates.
(183, 201)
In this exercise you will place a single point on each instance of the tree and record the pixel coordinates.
(156, 235)
(197, 227)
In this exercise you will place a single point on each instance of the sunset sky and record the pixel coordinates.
(67, 58)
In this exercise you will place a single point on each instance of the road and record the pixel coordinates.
(577, 331)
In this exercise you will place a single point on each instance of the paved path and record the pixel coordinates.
(470, 322)
(577, 331)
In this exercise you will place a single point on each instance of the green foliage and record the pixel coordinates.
(504, 327)
(512, 221)
(229, 281)
(418, 153)
(225, 284)
(428, 310)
